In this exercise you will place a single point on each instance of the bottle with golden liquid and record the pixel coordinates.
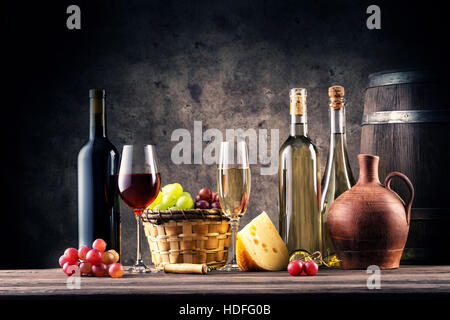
(299, 182)
(338, 176)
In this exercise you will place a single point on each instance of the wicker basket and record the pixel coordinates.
(187, 236)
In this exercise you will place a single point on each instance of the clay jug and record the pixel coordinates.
(369, 223)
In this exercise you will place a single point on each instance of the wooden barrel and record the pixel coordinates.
(406, 122)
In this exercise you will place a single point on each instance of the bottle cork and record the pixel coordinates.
(298, 101)
(336, 94)
(186, 268)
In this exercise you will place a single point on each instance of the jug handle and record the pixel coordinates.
(408, 203)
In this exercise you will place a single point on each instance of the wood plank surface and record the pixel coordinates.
(420, 280)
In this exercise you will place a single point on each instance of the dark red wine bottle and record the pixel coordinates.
(98, 166)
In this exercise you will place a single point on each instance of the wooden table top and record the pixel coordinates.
(408, 280)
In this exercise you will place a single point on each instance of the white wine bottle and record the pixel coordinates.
(299, 182)
(338, 176)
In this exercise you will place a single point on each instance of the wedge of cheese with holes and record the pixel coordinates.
(260, 247)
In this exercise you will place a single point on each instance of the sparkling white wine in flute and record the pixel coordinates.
(234, 190)
(233, 184)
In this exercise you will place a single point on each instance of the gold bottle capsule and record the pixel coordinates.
(298, 101)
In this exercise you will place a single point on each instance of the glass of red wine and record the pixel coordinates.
(139, 182)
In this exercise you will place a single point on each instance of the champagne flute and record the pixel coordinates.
(233, 181)
(139, 182)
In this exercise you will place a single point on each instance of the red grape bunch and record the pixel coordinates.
(302, 268)
(206, 199)
(92, 262)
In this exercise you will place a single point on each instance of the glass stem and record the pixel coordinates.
(232, 249)
(138, 238)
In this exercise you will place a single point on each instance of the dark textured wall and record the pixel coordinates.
(164, 65)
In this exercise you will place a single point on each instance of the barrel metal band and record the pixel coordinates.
(404, 76)
(406, 116)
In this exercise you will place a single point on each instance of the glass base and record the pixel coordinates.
(137, 269)
(230, 268)
(140, 267)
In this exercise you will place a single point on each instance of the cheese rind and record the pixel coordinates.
(260, 247)
(243, 258)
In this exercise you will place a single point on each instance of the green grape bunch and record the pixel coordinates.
(172, 197)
